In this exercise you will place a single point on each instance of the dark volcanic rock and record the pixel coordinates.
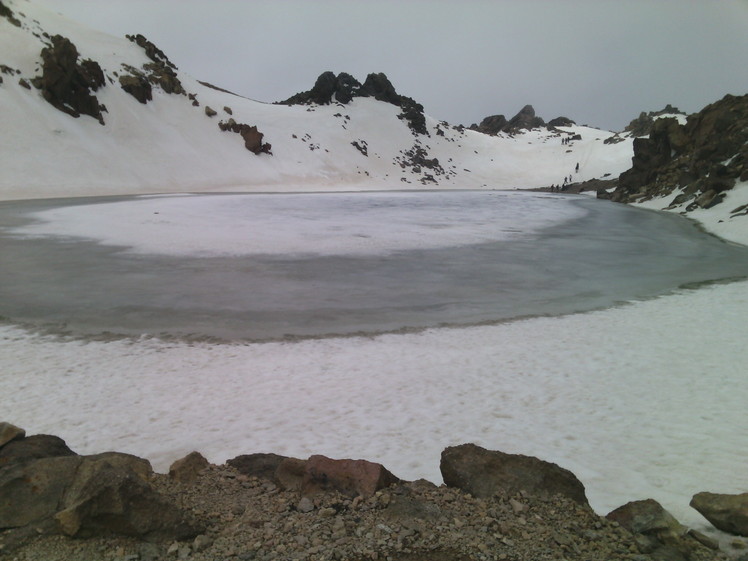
(561, 122)
(66, 84)
(524, 120)
(343, 88)
(491, 125)
(378, 86)
(485, 473)
(326, 89)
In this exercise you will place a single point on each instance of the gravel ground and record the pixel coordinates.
(251, 519)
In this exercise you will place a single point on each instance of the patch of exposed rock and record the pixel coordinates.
(151, 50)
(66, 83)
(264, 507)
(702, 159)
(417, 160)
(7, 13)
(252, 137)
(160, 72)
(342, 88)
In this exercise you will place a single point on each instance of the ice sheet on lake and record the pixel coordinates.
(322, 223)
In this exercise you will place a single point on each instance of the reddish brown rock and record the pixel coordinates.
(187, 469)
(349, 477)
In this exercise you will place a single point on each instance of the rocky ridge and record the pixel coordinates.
(494, 506)
(342, 88)
(524, 120)
(697, 162)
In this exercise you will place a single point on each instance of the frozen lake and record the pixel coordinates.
(266, 266)
(639, 400)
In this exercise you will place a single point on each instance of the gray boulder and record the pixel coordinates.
(485, 473)
(728, 513)
(647, 517)
(658, 534)
(33, 448)
(88, 495)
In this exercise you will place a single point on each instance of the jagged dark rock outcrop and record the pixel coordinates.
(642, 125)
(160, 72)
(704, 158)
(137, 85)
(7, 13)
(66, 83)
(151, 50)
(524, 120)
(343, 88)
(491, 125)
(561, 122)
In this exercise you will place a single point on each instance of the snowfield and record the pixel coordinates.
(642, 400)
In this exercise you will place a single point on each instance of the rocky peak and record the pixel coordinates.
(343, 88)
(524, 120)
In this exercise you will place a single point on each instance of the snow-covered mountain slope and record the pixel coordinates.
(170, 143)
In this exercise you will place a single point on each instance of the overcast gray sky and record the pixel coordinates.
(599, 62)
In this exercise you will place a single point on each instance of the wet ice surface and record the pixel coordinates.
(257, 267)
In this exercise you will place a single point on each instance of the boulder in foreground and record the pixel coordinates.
(728, 513)
(485, 473)
(44, 484)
